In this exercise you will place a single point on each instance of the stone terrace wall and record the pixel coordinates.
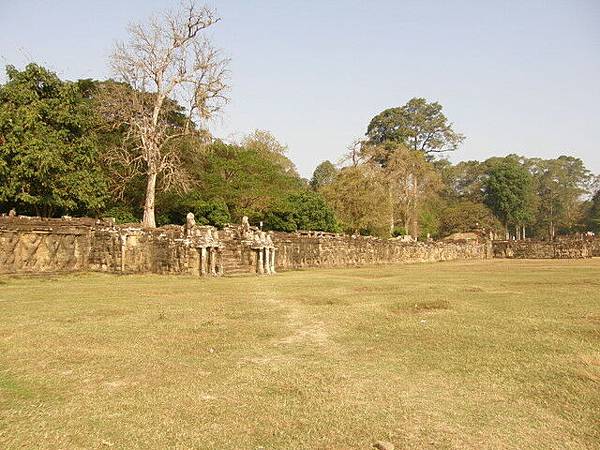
(298, 250)
(32, 245)
(564, 249)
(316, 249)
(594, 244)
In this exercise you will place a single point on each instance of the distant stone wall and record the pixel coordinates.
(33, 245)
(594, 243)
(298, 250)
(561, 249)
(317, 249)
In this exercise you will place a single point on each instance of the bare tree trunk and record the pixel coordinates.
(415, 213)
(391, 199)
(149, 221)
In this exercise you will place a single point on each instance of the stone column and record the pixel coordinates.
(267, 261)
(220, 265)
(212, 260)
(203, 261)
(123, 239)
(260, 263)
(272, 260)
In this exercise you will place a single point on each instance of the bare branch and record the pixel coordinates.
(168, 59)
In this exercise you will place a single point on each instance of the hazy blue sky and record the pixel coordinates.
(514, 76)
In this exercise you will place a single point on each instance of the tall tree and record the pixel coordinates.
(561, 183)
(409, 179)
(48, 159)
(509, 194)
(419, 125)
(359, 199)
(323, 175)
(246, 179)
(593, 215)
(170, 57)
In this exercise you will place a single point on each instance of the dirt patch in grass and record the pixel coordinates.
(420, 306)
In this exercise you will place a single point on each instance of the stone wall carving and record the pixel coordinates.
(55, 245)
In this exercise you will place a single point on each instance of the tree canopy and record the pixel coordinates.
(509, 192)
(48, 154)
(419, 125)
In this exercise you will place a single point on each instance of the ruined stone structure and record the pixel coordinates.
(33, 245)
(66, 245)
(559, 249)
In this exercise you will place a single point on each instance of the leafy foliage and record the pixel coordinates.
(304, 210)
(466, 216)
(356, 197)
(48, 157)
(593, 216)
(509, 192)
(419, 125)
(323, 175)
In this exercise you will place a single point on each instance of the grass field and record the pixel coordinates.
(494, 354)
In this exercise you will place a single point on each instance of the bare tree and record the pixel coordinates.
(166, 61)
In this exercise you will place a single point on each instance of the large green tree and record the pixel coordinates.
(323, 175)
(247, 180)
(359, 197)
(593, 215)
(560, 185)
(419, 125)
(48, 154)
(304, 210)
(509, 194)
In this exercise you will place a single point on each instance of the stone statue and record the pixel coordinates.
(12, 213)
(269, 239)
(245, 226)
(190, 223)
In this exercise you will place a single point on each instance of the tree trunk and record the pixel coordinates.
(391, 198)
(415, 213)
(149, 221)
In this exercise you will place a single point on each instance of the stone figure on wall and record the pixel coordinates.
(12, 213)
(245, 226)
(190, 223)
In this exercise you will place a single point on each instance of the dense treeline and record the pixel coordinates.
(65, 150)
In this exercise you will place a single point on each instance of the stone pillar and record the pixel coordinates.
(220, 263)
(272, 260)
(212, 260)
(266, 261)
(260, 264)
(123, 239)
(203, 261)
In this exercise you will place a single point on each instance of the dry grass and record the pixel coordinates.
(500, 354)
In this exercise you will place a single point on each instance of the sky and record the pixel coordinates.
(513, 76)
